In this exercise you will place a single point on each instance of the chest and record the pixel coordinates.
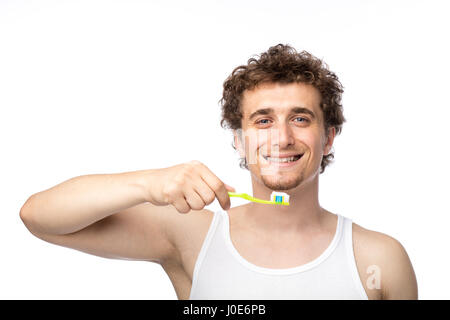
(284, 253)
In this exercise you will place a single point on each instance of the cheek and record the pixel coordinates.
(253, 139)
(313, 142)
(250, 142)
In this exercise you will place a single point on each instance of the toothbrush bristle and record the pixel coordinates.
(279, 197)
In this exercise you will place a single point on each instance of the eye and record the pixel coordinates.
(260, 121)
(304, 119)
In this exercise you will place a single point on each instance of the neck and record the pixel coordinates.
(303, 213)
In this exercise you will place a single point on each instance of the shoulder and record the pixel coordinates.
(185, 226)
(383, 264)
(188, 230)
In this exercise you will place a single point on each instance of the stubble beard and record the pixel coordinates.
(282, 183)
(278, 180)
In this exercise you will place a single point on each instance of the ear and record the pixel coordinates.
(329, 141)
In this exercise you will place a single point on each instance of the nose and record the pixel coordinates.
(282, 137)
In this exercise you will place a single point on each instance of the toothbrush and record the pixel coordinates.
(280, 198)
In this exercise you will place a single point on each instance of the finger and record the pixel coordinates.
(218, 187)
(206, 193)
(194, 200)
(181, 205)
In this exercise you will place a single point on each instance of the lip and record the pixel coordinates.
(283, 155)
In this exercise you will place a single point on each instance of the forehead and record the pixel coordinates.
(281, 97)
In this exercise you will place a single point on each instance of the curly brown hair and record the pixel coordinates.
(283, 64)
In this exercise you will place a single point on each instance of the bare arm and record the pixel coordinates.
(399, 280)
(132, 215)
(78, 202)
(384, 266)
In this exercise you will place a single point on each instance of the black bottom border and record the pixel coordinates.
(221, 309)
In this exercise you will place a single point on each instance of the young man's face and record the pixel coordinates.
(280, 120)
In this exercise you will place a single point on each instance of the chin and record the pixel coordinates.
(282, 183)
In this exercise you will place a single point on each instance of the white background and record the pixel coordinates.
(113, 86)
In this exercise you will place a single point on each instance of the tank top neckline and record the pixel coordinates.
(281, 271)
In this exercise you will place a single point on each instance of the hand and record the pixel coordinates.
(188, 186)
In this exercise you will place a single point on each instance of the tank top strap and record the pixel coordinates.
(220, 272)
(348, 242)
(336, 242)
(217, 216)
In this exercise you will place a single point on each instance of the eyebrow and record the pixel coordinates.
(266, 111)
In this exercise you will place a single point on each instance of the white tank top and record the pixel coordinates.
(220, 272)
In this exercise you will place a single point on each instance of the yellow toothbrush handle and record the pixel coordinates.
(250, 198)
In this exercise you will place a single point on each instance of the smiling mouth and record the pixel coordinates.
(284, 159)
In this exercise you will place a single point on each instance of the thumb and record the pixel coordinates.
(229, 188)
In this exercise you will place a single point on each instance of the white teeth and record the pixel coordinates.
(289, 159)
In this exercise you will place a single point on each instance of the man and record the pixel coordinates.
(284, 110)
